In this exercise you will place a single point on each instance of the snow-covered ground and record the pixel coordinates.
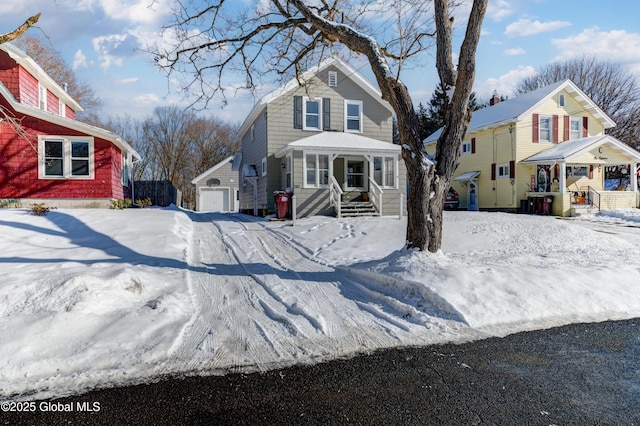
(93, 298)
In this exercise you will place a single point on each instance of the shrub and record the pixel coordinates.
(121, 204)
(39, 209)
(146, 202)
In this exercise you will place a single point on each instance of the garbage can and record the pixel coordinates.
(523, 206)
(548, 200)
(281, 200)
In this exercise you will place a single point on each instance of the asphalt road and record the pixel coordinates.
(584, 374)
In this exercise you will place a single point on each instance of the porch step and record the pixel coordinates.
(583, 210)
(358, 209)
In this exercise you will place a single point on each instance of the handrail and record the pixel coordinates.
(596, 196)
(335, 195)
(375, 195)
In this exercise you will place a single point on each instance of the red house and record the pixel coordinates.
(45, 154)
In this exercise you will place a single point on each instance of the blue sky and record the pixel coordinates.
(101, 40)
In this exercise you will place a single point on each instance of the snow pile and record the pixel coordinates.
(92, 298)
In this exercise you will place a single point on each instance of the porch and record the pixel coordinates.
(343, 174)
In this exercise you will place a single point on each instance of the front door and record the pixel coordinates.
(472, 195)
(356, 174)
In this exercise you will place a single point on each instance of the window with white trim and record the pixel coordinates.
(466, 147)
(312, 114)
(353, 116)
(384, 171)
(316, 170)
(503, 170)
(264, 166)
(66, 157)
(575, 127)
(545, 128)
(561, 100)
(125, 169)
(62, 110)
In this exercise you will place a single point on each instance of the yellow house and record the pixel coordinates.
(544, 152)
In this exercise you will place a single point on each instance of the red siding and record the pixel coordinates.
(19, 166)
(70, 113)
(9, 74)
(53, 104)
(28, 88)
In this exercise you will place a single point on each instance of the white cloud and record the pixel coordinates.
(499, 9)
(79, 60)
(105, 46)
(504, 85)
(130, 80)
(616, 45)
(526, 27)
(135, 11)
(515, 52)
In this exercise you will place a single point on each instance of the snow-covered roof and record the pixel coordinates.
(516, 109)
(565, 151)
(292, 84)
(206, 173)
(338, 142)
(467, 175)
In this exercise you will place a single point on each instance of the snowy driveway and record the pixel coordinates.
(261, 302)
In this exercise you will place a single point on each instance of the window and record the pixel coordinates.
(333, 78)
(67, 158)
(384, 171)
(264, 166)
(316, 170)
(125, 169)
(466, 147)
(561, 100)
(312, 113)
(288, 169)
(62, 109)
(545, 128)
(575, 130)
(353, 116)
(503, 170)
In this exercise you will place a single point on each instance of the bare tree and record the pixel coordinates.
(609, 84)
(285, 36)
(13, 35)
(51, 61)
(177, 146)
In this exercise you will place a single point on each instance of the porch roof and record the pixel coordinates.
(340, 143)
(467, 176)
(565, 152)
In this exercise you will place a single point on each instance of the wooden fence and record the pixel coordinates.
(161, 192)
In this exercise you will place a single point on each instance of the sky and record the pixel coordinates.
(87, 303)
(104, 42)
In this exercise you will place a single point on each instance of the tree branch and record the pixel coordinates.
(4, 38)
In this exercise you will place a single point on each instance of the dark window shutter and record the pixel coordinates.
(297, 112)
(493, 171)
(555, 129)
(473, 145)
(512, 169)
(536, 126)
(326, 114)
(567, 127)
(591, 171)
(585, 127)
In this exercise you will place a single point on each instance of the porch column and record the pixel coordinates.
(563, 178)
(633, 174)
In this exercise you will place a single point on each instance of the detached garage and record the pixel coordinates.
(217, 188)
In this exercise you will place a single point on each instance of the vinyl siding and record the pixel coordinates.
(228, 179)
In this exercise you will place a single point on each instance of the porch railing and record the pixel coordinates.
(335, 195)
(593, 197)
(375, 195)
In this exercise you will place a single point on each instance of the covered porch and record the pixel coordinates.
(344, 174)
(582, 176)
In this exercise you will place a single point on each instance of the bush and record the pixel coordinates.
(121, 204)
(146, 202)
(39, 209)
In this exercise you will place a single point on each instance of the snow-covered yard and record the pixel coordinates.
(92, 298)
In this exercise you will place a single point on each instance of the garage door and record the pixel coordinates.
(214, 199)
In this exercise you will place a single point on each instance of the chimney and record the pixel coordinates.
(494, 100)
(65, 86)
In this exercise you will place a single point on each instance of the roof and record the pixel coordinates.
(67, 122)
(338, 142)
(292, 84)
(34, 69)
(468, 175)
(516, 109)
(565, 151)
(212, 169)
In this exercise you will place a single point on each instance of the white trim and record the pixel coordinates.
(462, 149)
(317, 169)
(348, 102)
(505, 167)
(365, 173)
(42, 97)
(562, 101)
(540, 118)
(332, 78)
(263, 166)
(206, 174)
(66, 157)
(306, 99)
(383, 184)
